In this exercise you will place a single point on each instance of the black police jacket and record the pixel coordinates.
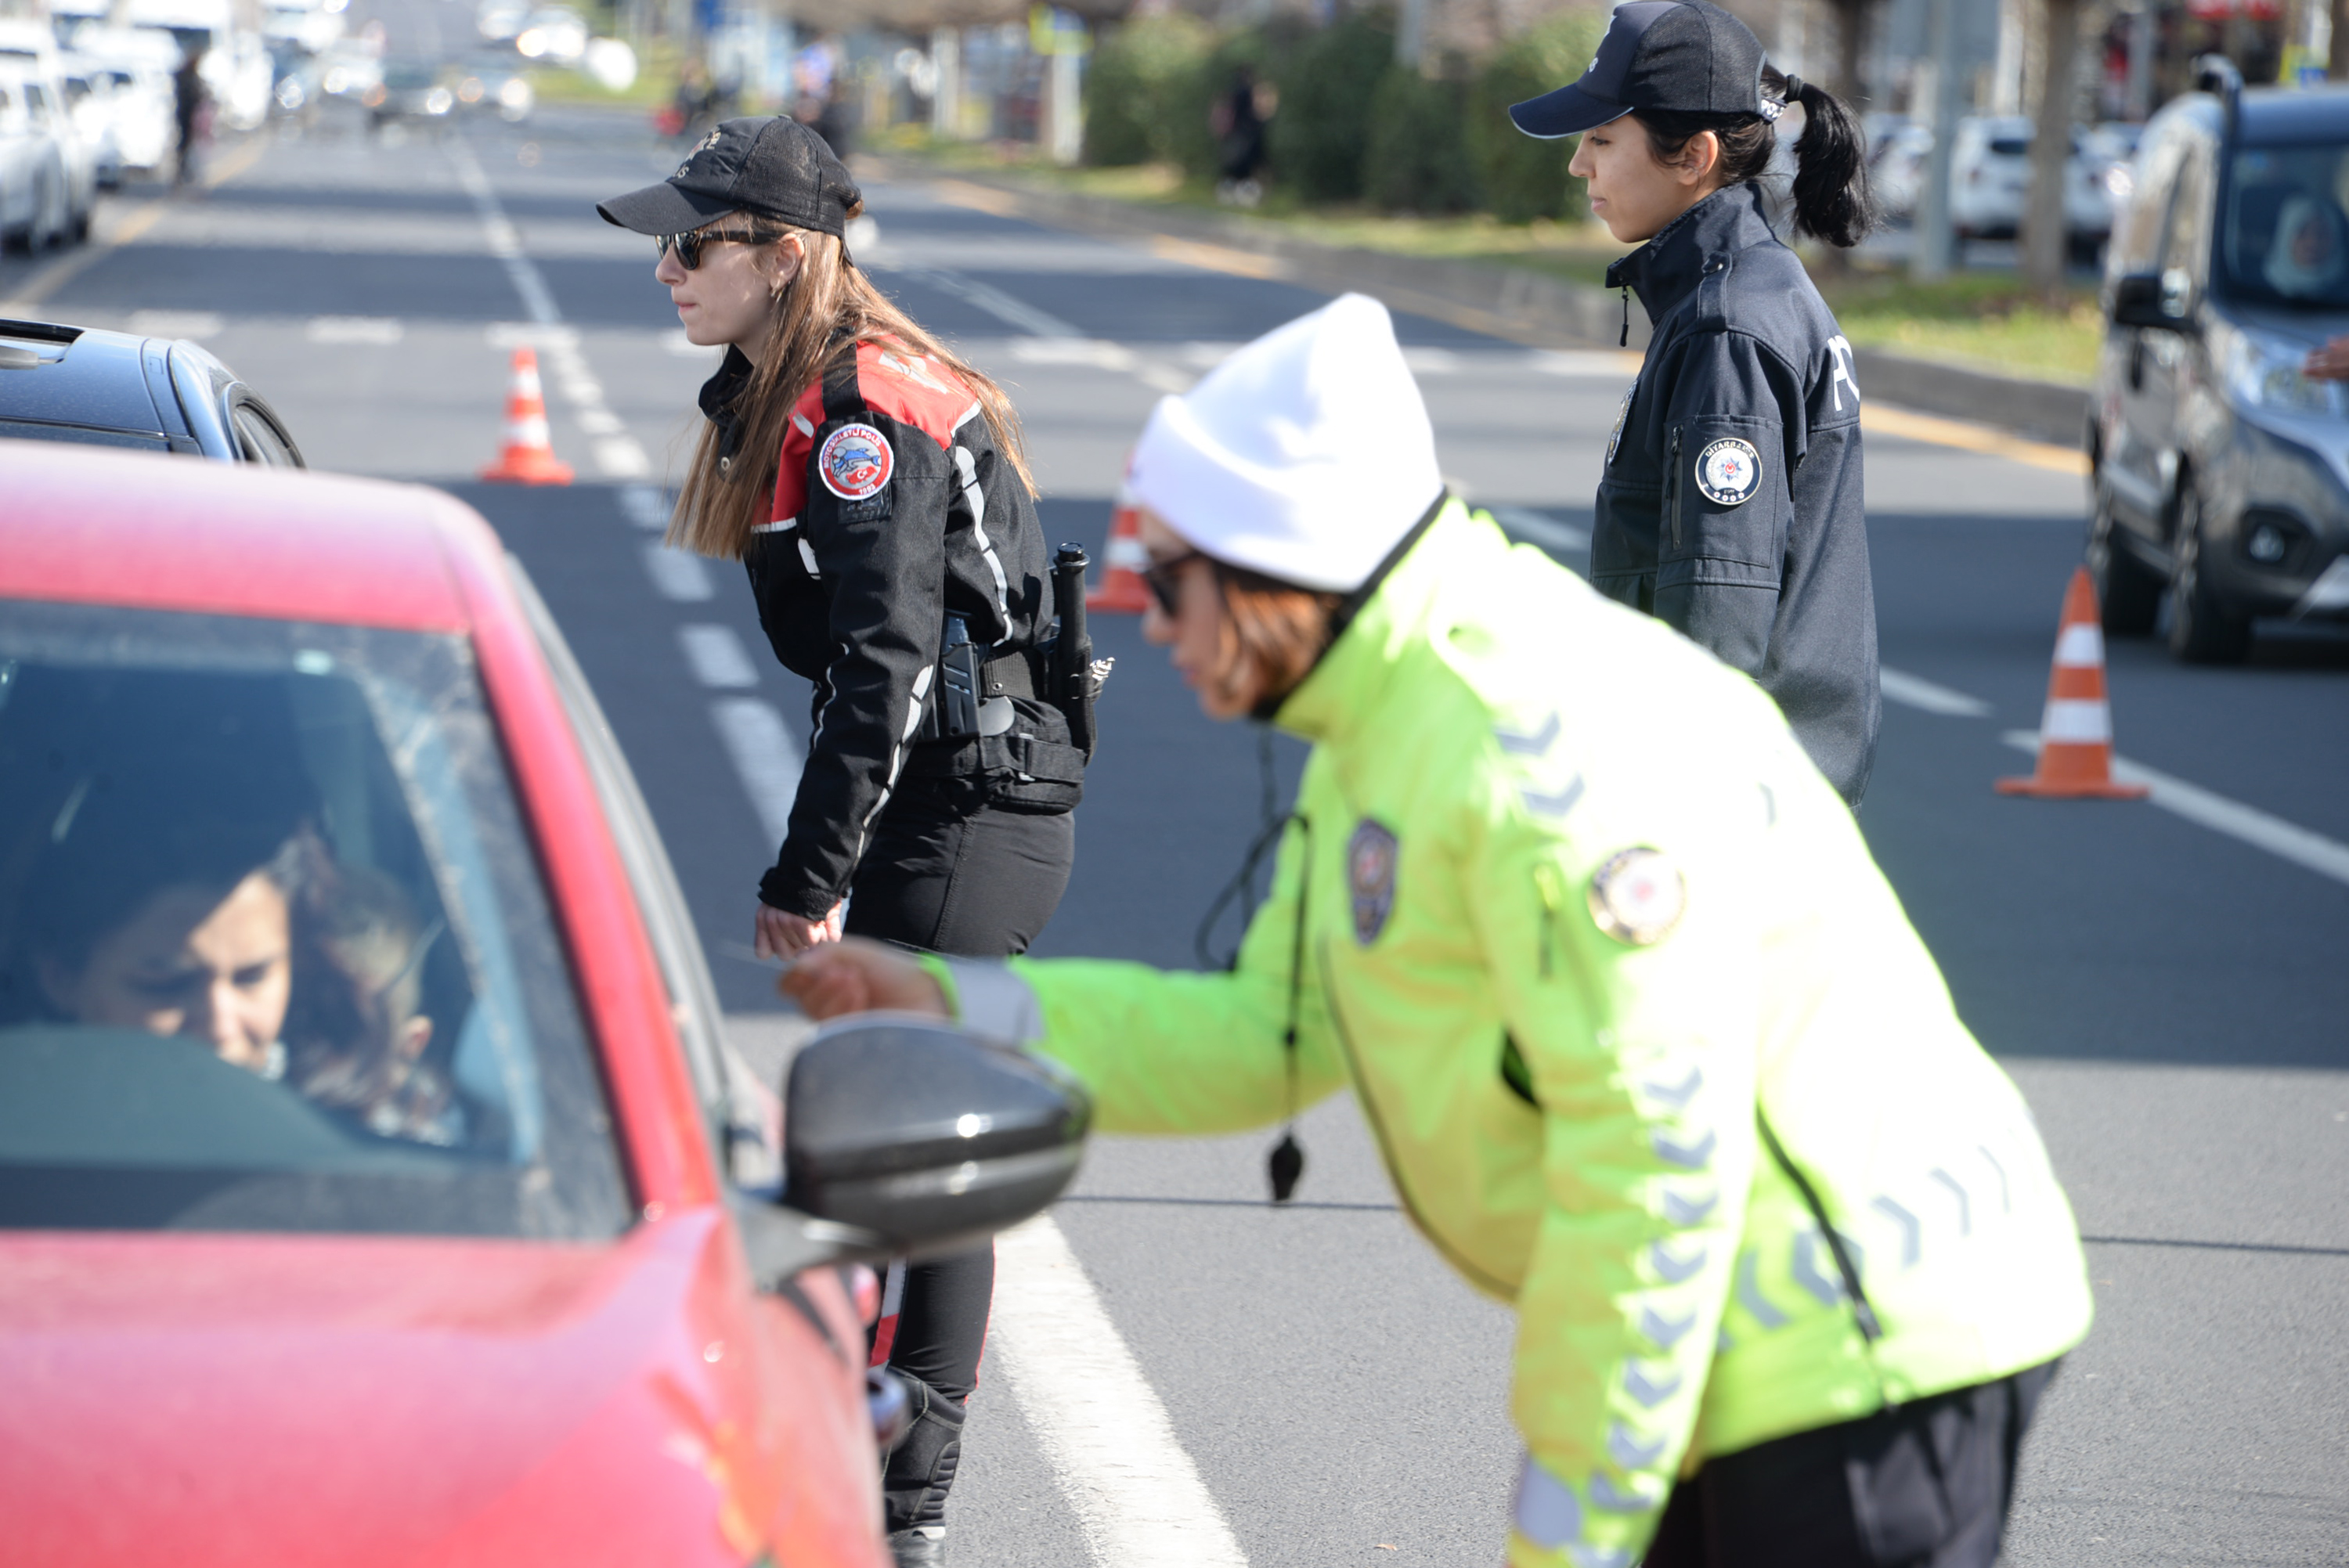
(893, 511)
(1731, 504)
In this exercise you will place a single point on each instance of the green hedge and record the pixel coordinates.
(1325, 94)
(1417, 159)
(1144, 91)
(1524, 179)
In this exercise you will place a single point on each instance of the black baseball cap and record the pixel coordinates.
(766, 164)
(1681, 55)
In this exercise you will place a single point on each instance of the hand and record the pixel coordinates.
(2330, 363)
(856, 976)
(780, 934)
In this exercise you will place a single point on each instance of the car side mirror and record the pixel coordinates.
(2141, 299)
(921, 1135)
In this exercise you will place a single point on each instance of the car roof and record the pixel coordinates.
(2272, 114)
(153, 531)
(84, 376)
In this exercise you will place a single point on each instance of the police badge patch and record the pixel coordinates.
(1728, 471)
(1370, 874)
(1638, 897)
(855, 461)
(1622, 412)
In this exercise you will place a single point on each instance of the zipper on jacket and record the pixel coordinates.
(1386, 1149)
(1673, 484)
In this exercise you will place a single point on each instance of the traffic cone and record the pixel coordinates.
(2075, 734)
(1123, 562)
(529, 457)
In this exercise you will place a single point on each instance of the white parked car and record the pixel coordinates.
(137, 64)
(90, 92)
(1990, 179)
(35, 84)
(35, 209)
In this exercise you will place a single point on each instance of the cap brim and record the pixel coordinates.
(1564, 113)
(663, 209)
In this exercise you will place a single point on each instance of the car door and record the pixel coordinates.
(17, 149)
(2173, 211)
(2169, 361)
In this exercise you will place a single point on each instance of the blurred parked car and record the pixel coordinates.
(137, 64)
(36, 195)
(1990, 182)
(494, 84)
(411, 90)
(2221, 474)
(350, 69)
(458, 1236)
(90, 93)
(62, 383)
(34, 68)
(556, 33)
(500, 20)
(1896, 167)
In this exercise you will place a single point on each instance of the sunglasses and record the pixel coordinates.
(688, 245)
(1164, 581)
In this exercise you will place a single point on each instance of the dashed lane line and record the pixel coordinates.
(2249, 824)
(1136, 1494)
(1937, 431)
(618, 455)
(765, 756)
(677, 576)
(716, 656)
(2302, 846)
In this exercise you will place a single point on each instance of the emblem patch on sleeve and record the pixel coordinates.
(855, 462)
(1638, 897)
(1728, 471)
(1622, 412)
(1370, 874)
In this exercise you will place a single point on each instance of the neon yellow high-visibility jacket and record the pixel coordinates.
(1579, 919)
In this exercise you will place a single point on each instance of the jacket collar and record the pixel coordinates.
(1343, 690)
(1667, 269)
(721, 395)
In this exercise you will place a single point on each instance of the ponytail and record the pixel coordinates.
(1832, 202)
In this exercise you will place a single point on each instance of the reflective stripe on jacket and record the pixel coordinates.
(1489, 738)
(1730, 505)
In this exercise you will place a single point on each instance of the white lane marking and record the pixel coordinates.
(1014, 312)
(1533, 528)
(1608, 363)
(677, 574)
(380, 330)
(1431, 361)
(195, 323)
(1135, 1492)
(1095, 351)
(765, 758)
(646, 506)
(617, 454)
(2287, 841)
(716, 656)
(1913, 691)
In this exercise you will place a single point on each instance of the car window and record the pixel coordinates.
(258, 440)
(32, 431)
(2285, 239)
(274, 953)
(37, 97)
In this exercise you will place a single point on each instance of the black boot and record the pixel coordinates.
(919, 1471)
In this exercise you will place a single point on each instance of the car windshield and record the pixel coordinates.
(2285, 241)
(274, 953)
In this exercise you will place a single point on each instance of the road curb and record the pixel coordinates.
(1515, 302)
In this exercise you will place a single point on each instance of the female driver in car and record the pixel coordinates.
(874, 486)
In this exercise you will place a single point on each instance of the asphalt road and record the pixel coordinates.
(2171, 995)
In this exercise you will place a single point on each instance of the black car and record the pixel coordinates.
(2220, 472)
(60, 383)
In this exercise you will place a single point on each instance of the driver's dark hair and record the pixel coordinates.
(1832, 200)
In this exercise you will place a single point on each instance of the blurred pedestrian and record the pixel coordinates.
(190, 112)
(1731, 502)
(1647, 1045)
(1238, 125)
(873, 485)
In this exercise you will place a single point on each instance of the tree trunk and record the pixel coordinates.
(2045, 239)
(2336, 63)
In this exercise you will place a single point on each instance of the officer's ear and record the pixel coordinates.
(1699, 159)
(788, 256)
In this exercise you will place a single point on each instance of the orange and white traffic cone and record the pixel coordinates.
(1123, 563)
(529, 457)
(2075, 734)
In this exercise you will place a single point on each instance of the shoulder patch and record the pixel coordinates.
(855, 462)
(1728, 471)
(1370, 877)
(1638, 897)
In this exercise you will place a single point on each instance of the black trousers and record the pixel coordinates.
(949, 873)
(1924, 1485)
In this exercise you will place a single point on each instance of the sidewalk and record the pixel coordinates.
(1512, 303)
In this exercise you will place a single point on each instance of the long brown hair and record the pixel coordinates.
(1274, 633)
(817, 321)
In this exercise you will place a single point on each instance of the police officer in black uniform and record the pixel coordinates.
(873, 484)
(1732, 504)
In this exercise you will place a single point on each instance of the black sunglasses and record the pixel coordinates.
(688, 245)
(1164, 581)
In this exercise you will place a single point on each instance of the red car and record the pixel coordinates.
(375, 1185)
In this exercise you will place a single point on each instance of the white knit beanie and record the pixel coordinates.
(1306, 455)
